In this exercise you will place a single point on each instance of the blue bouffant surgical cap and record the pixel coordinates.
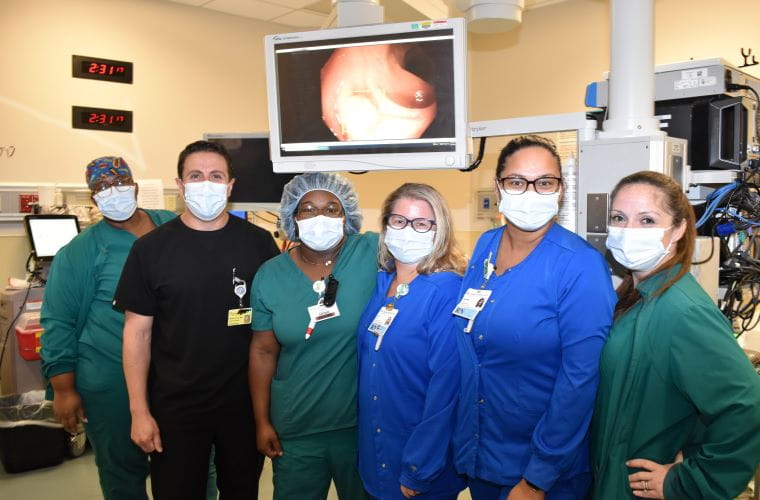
(319, 181)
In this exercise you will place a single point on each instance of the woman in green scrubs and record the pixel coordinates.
(678, 406)
(306, 306)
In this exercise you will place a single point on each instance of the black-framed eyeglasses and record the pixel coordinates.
(513, 184)
(308, 211)
(421, 225)
(120, 183)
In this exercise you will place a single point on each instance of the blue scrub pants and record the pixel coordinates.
(574, 488)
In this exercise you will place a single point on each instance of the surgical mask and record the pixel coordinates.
(638, 248)
(529, 211)
(407, 245)
(117, 205)
(320, 233)
(206, 199)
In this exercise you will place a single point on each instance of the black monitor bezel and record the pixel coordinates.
(28, 228)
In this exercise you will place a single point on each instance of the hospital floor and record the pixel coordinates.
(77, 479)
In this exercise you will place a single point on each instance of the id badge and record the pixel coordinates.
(472, 303)
(382, 321)
(319, 312)
(241, 316)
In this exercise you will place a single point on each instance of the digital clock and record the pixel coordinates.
(113, 120)
(96, 68)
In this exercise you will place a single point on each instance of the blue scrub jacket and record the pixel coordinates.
(530, 363)
(408, 390)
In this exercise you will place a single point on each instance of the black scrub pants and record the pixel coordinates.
(180, 472)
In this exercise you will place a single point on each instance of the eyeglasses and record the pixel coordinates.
(309, 211)
(119, 183)
(518, 185)
(421, 225)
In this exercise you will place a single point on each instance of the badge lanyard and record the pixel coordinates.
(325, 308)
(386, 315)
(238, 288)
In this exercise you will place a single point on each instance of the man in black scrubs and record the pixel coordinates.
(185, 293)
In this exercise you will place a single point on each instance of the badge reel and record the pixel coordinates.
(386, 315)
(241, 315)
(325, 308)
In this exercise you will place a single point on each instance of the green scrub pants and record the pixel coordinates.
(309, 463)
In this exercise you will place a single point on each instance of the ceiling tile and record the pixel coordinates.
(196, 3)
(323, 6)
(301, 19)
(248, 8)
(293, 4)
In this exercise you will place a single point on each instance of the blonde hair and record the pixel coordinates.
(445, 255)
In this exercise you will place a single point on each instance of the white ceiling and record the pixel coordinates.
(313, 14)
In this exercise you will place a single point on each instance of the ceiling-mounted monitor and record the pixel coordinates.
(387, 96)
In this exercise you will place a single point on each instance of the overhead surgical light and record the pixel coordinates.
(491, 16)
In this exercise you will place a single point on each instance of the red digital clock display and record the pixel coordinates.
(113, 120)
(95, 68)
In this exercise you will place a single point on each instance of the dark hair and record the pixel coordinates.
(204, 146)
(678, 206)
(526, 141)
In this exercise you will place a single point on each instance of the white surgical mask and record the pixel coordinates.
(407, 245)
(529, 211)
(638, 248)
(320, 233)
(117, 205)
(206, 199)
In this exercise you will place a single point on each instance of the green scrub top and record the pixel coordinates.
(77, 311)
(314, 387)
(673, 378)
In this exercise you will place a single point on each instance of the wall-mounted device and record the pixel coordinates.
(388, 96)
(96, 68)
(603, 162)
(48, 233)
(111, 120)
(699, 101)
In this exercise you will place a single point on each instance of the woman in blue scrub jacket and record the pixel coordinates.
(536, 305)
(408, 362)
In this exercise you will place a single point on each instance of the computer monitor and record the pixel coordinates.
(257, 186)
(48, 233)
(387, 96)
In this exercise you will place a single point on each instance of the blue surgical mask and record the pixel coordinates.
(117, 205)
(206, 199)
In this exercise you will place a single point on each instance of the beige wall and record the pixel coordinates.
(196, 71)
(199, 71)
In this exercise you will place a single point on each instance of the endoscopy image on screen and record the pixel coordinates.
(390, 93)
